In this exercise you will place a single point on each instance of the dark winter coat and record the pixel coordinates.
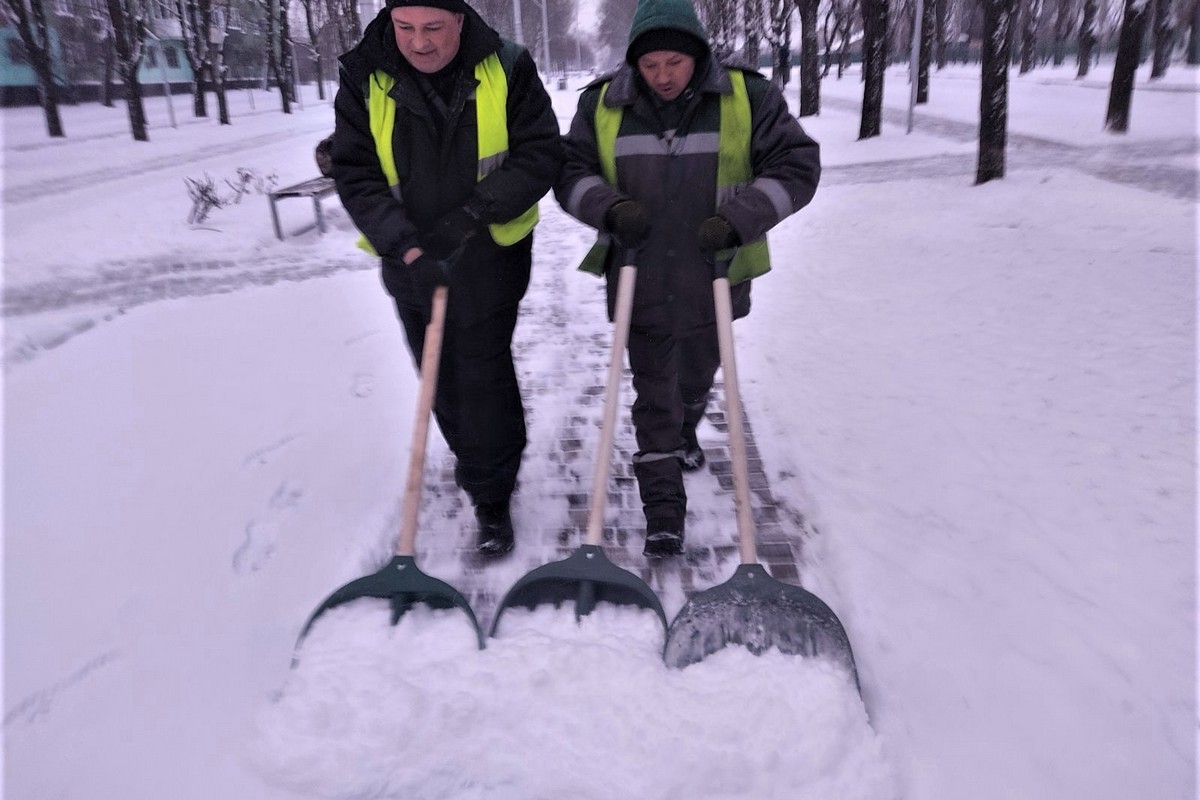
(678, 184)
(437, 168)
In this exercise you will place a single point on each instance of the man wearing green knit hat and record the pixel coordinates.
(678, 158)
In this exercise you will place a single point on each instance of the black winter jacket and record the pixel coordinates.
(437, 169)
(676, 180)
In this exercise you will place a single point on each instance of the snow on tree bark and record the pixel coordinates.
(719, 17)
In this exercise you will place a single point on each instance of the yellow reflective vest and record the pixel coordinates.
(491, 116)
(734, 171)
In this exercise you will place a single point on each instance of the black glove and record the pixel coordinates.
(629, 223)
(430, 272)
(451, 232)
(716, 234)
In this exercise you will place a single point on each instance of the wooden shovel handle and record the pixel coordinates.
(431, 356)
(624, 313)
(733, 417)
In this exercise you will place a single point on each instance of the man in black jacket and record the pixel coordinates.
(444, 142)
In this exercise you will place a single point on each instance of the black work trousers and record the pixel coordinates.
(673, 376)
(478, 404)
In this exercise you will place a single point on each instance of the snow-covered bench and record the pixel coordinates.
(316, 188)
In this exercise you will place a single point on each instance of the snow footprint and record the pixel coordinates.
(259, 545)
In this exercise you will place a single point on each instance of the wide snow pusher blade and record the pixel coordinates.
(400, 582)
(751, 608)
(587, 577)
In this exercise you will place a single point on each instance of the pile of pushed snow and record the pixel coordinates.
(554, 708)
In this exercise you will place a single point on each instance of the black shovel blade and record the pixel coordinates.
(588, 578)
(757, 611)
(403, 585)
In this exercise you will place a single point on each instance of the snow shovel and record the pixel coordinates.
(587, 576)
(751, 608)
(400, 582)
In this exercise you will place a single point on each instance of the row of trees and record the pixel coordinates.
(1005, 32)
(202, 29)
(758, 31)
(1041, 31)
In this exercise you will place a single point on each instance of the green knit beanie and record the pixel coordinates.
(674, 15)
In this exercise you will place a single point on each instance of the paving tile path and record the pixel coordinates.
(562, 349)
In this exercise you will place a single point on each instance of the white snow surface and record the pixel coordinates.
(981, 398)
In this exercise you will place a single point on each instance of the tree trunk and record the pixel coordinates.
(35, 34)
(1088, 36)
(810, 60)
(315, 38)
(993, 95)
(222, 106)
(1193, 43)
(133, 100)
(276, 50)
(1014, 27)
(874, 48)
(830, 30)
(199, 102)
(44, 67)
(924, 55)
(1164, 37)
(752, 21)
(48, 97)
(287, 73)
(129, 38)
(110, 57)
(1062, 30)
(218, 84)
(940, 18)
(1129, 53)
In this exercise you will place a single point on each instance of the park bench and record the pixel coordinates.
(316, 188)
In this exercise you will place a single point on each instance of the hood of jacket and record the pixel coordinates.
(378, 49)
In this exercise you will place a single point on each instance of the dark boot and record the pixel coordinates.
(664, 538)
(495, 529)
(693, 456)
